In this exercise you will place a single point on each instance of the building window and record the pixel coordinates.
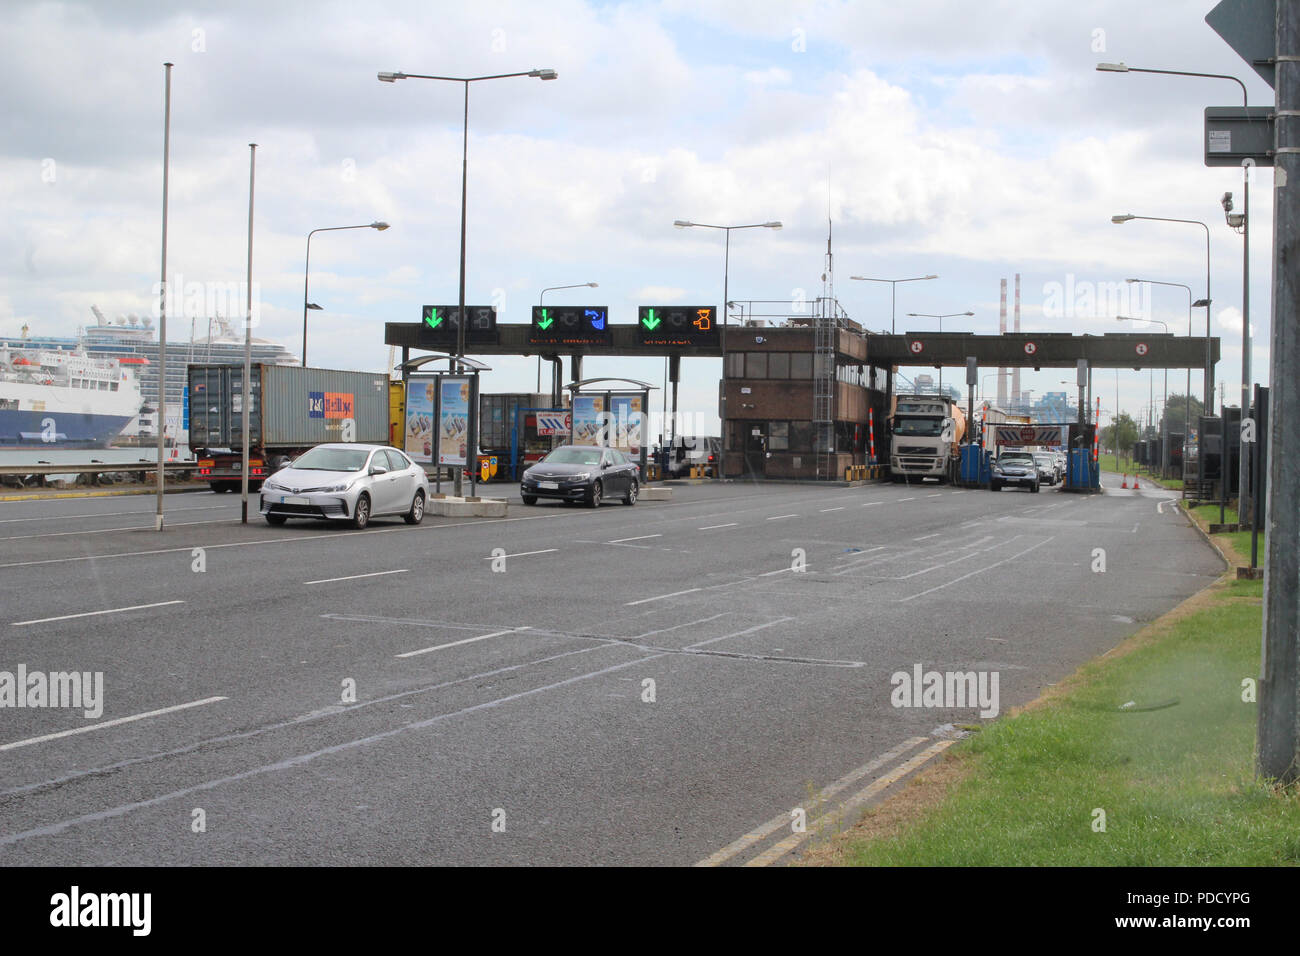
(778, 365)
(801, 365)
(736, 365)
(800, 436)
(778, 436)
(755, 365)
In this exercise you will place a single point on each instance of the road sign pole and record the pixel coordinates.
(1279, 736)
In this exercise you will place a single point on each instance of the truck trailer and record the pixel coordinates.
(926, 432)
(291, 409)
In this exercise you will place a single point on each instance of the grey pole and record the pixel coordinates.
(248, 338)
(162, 313)
(722, 341)
(1244, 504)
(1279, 740)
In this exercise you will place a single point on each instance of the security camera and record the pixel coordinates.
(1226, 201)
(1236, 219)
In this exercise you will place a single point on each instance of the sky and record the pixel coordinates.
(974, 141)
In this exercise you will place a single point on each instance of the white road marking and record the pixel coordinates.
(779, 517)
(101, 514)
(824, 510)
(907, 499)
(870, 503)
(714, 527)
(353, 577)
(987, 567)
(467, 640)
(934, 496)
(135, 527)
(925, 536)
(521, 554)
(748, 630)
(783, 819)
(640, 537)
(109, 723)
(660, 597)
(112, 610)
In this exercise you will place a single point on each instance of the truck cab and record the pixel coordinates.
(926, 430)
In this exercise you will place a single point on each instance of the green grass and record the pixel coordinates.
(1176, 784)
(1209, 514)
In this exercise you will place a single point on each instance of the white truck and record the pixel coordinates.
(926, 431)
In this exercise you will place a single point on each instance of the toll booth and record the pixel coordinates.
(1210, 460)
(1232, 449)
(1082, 472)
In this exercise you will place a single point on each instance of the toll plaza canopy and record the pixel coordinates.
(1136, 350)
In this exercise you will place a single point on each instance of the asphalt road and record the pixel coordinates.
(639, 685)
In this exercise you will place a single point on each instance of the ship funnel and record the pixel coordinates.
(148, 323)
(99, 316)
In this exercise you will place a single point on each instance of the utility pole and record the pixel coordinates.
(1279, 736)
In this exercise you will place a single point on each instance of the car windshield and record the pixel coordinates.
(1044, 459)
(920, 427)
(572, 455)
(333, 459)
(1012, 457)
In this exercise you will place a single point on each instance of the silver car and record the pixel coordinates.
(347, 482)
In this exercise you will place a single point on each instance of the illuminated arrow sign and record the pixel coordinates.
(571, 325)
(433, 317)
(680, 325)
(441, 324)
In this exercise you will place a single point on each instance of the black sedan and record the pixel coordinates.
(585, 473)
(1013, 468)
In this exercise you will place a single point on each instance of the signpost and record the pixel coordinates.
(678, 325)
(439, 325)
(569, 325)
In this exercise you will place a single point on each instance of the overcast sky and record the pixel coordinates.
(971, 140)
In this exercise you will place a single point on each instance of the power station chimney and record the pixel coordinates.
(1015, 374)
(1002, 329)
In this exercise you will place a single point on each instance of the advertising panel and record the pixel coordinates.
(588, 419)
(418, 440)
(453, 422)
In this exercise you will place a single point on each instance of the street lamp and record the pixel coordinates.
(1187, 404)
(540, 297)
(722, 335)
(1209, 368)
(946, 315)
(306, 272)
(546, 74)
(893, 288)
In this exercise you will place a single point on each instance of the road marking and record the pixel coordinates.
(112, 610)
(640, 537)
(660, 597)
(779, 517)
(103, 514)
(353, 577)
(521, 554)
(714, 527)
(987, 567)
(109, 723)
(959, 492)
(925, 536)
(774, 853)
(870, 503)
(468, 640)
(907, 499)
(750, 630)
(940, 495)
(824, 510)
(134, 527)
(783, 819)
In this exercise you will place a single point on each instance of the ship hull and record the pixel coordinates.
(33, 429)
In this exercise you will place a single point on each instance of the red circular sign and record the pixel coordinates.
(1030, 348)
(1141, 348)
(1027, 435)
(917, 346)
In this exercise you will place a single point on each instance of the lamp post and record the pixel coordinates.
(1164, 418)
(1209, 368)
(893, 288)
(722, 335)
(540, 297)
(946, 315)
(306, 273)
(546, 74)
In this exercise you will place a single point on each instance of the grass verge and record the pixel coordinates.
(1175, 782)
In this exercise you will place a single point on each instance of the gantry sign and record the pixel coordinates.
(1042, 350)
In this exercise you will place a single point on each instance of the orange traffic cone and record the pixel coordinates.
(1125, 484)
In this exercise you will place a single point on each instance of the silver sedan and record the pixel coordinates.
(347, 482)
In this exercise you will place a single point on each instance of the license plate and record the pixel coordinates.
(293, 500)
(549, 485)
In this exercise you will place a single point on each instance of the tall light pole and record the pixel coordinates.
(306, 272)
(1164, 418)
(162, 300)
(946, 315)
(893, 288)
(540, 297)
(1209, 367)
(546, 74)
(722, 335)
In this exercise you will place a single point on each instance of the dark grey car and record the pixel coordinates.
(586, 473)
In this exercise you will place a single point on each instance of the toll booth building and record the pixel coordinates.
(799, 398)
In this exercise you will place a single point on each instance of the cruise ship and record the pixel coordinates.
(134, 338)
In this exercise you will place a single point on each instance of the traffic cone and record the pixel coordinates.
(1125, 484)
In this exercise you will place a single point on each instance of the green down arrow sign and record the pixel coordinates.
(650, 321)
(545, 322)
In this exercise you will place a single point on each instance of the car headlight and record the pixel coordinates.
(273, 486)
(582, 477)
(343, 487)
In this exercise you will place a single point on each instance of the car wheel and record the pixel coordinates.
(593, 496)
(529, 499)
(1034, 487)
(630, 497)
(276, 519)
(416, 514)
(361, 513)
